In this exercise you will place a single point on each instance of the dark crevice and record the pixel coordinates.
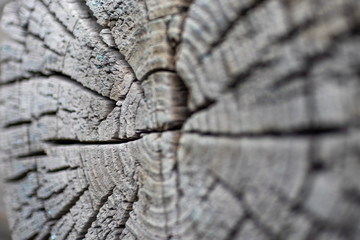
(18, 41)
(175, 126)
(244, 76)
(174, 43)
(182, 9)
(93, 218)
(218, 180)
(208, 103)
(210, 189)
(153, 71)
(68, 232)
(11, 60)
(57, 192)
(294, 32)
(65, 209)
(92, 17)
(33, 237)
(18, 123)
(40, 153)
(237, 227)
(44, 44)
(107, 234)
(297, 205)
(259, 223)
(11, 82)
(57, 20)
(60, 169)
(146, 11)
(19, 176)
(309, 63)
(65, 77)
(77, 142)
(292, 76)
(44, 114)
(68, 110)
(46, 236)
(317, 166)
(304, 132)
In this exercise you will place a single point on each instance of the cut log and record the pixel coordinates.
(182, 119)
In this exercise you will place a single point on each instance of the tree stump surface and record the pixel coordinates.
(182, 119)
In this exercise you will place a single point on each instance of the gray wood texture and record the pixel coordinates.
(4, 229)
(183, 119)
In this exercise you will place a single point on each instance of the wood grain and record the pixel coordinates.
(184, 119)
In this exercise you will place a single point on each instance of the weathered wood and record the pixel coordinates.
(66, 52)
(155, 210)
(267, 104)
(11, 22)
(157, 103)
(183, 119)
(209, 63)
(250, 168)
(113, 179)
(144, 42)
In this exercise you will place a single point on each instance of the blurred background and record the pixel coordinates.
(4, 230)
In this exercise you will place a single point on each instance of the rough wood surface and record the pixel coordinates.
(184, 119)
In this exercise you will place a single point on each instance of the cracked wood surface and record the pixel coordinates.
(184, 119)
